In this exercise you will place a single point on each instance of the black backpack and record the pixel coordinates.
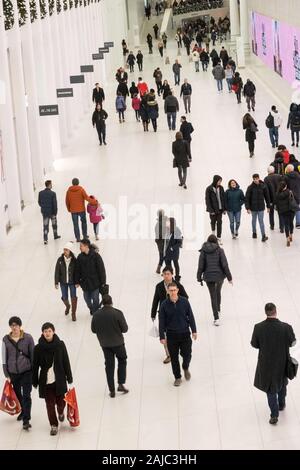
(270, 121)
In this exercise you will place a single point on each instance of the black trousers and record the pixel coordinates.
(180, 343)
(101, 133)
(215, 297)
(22, 384)
(251, 145)
(160, 247)
(216, 220)
(131, 67)
(159, 87)
(272, 220)
(182, 174)
(140, 66)
(110, 354)
(287, 221)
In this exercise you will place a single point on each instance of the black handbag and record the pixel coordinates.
(291, 368)
(293, 205)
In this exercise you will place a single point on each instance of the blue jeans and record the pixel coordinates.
(276, 400)
(234, 217)
(220, 85)
(274, 135)
(177, 78)
(46, 221)
(65, 291)
(171, 117)
(92, 299)
(229, 83)
(260, 216)
(75, 216)
(197, 66)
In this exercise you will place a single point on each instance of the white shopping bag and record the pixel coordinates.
(154, 331)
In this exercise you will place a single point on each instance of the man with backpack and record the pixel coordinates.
(249, 93)
(273, 122)
(294, 123)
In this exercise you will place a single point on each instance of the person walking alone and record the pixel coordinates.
(182, 158)
(139, 60)
(17, 363)
(213, 268)
(215, 205)
(273, 123)
(171, 108)
(109, 324)
(48, 204)
(250, 127)
(187, 129)
(273, 338)
(120, 107)
(98, 95)
(98, 119)
(219, 75)
(249, 93)
(186, 93)
(176, 70)
(160, 47)
(176, 322)
(64, 277)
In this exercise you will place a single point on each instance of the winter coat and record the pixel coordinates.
(195, 56)
(181, 152)
(250, 134)
(99, 118)
(123, 89)
(139, 58)
(98, 95)
(186, 129)
(173, 243)
(131, 59)
(282, 201)
(249, 89)
(176, 68)
(75, 198)
(152, 107)
(158, 76)
(212, 205)
(47, 202)
(176, 318)
(90, 271)
(237, 81)
(166, 90)
(273, 339)
(161, 294)
(171, 104)
(272, 181)
(234, 199)
(204, 57)
(109, 324)
(213, 265)
(143, 88)
(224, 56)
(136, 103)
(133, 90)
(278, 164)
(256, 196)
(60, 274)
(48, 354)
(218, 72)
(122, 76)
(186, 89)
(294, 121)
(293, 183)
(17, 357)
(144, 110)
(96, 212)
(120, 103)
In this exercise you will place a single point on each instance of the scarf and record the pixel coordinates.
(49, 349)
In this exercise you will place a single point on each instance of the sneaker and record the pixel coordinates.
(53, 431)
(177, 382)
(233, 236)
(254, 235)
(112, 394)
(167, 360)
(57, 237)
(96, 238)
(180, 184)
(121, 388)
(264, 238)
(273, 420)
(187, 374)
(297, 226)
(237, 235)
(217, 322)
(61, 418)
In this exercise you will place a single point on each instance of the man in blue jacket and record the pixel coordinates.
(176, 319)
(48, 204)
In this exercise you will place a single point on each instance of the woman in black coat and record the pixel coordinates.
(152, 108)
(144, 113)
(133, 90)
(251, 128)
(213, 268)
(166, 90)
(173, 243)
(51, 371)
(283, 200)
(182, 157)
(65, 278)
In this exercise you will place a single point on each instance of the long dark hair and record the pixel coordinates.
(247, 120)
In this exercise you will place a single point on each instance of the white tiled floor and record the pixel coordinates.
(219, 408)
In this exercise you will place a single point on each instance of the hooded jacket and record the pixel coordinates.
(293, 183)
(212, 204)
(249, 89)
(75, 198)
(256, 196)
(218, 72)
(234, 199)
(90, 271)
(213, 265)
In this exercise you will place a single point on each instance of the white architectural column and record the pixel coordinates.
(134, 22)
(10, 186)
(19, 109)
(244, 18)
(234, 18)
(32, 100)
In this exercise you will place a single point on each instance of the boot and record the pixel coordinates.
(67, 304)
(74, 307)
(288, 242)
(158, 269)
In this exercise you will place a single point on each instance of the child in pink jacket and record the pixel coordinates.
(136, 104)
(96, 215)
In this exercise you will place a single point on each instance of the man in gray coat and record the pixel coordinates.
(109, 324)
(171, 109)
(273, 339)
(219, 75)
(17, 360)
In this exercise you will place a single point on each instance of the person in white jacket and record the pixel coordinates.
(196, 59)
(274, 130)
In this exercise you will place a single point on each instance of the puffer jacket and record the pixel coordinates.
(218, 72)
(213, 265)
(282, 200)
(17, 358)
(234, 199)
(75, 198)
(256, 196)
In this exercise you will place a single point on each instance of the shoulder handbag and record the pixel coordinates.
(293, 205)
(291, 368)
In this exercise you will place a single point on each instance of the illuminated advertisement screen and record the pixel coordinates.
(277, 45)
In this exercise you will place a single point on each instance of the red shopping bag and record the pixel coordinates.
(72, 408)
(9, 402)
